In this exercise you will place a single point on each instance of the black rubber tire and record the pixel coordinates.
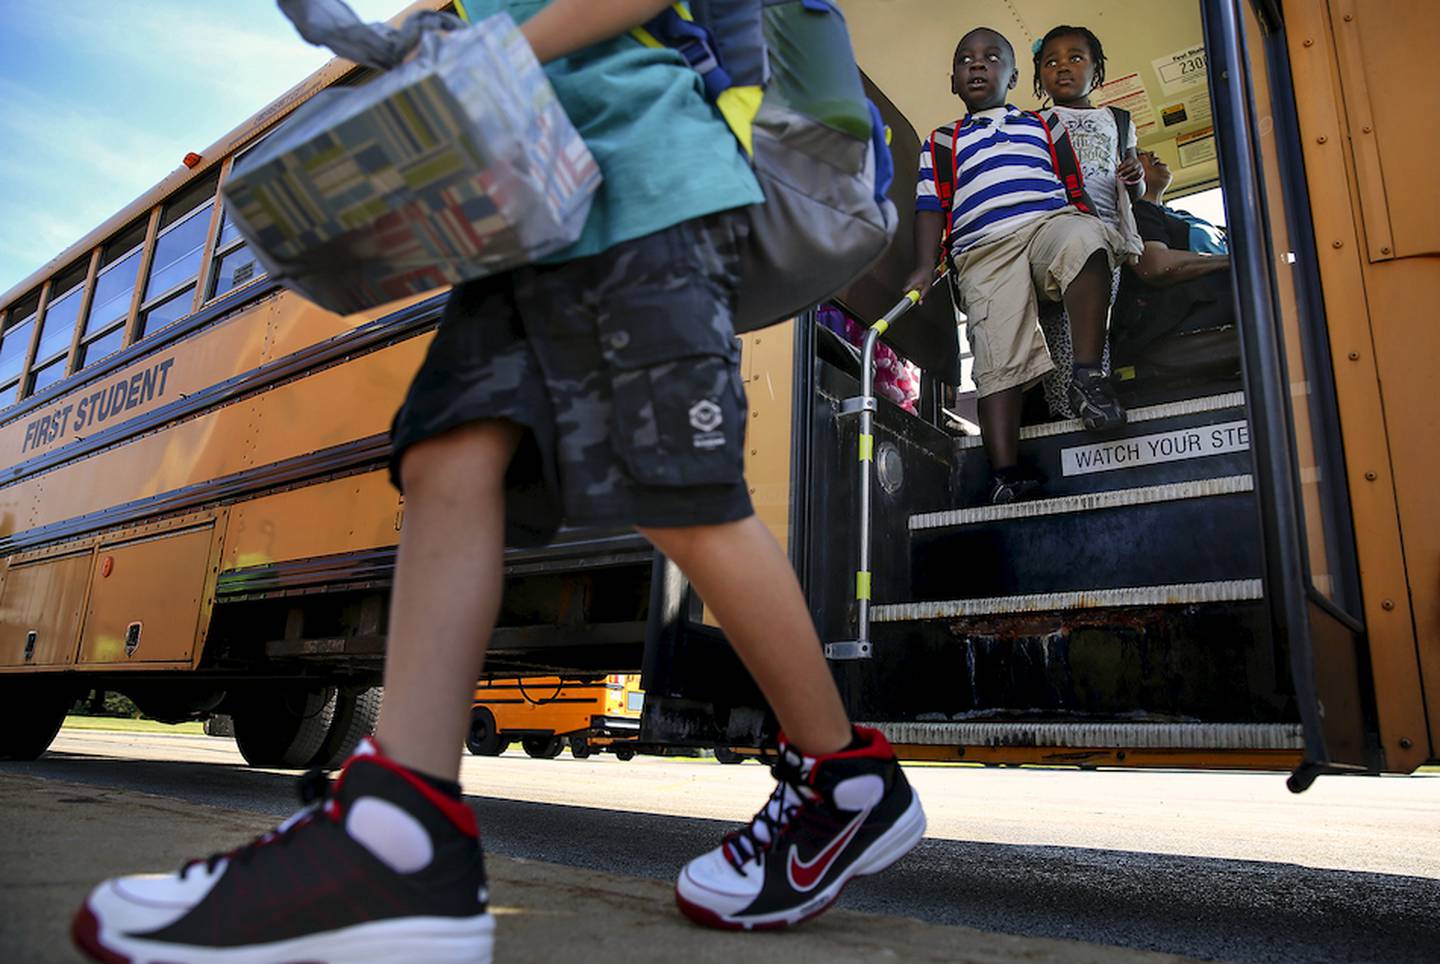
(30, 716)
(580, 747)
(482, 740)
(542, 747)
(285, 729)
(624, 754)
(355, 716)
(728, 756)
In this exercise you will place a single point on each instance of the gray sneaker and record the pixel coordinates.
(1094, 402)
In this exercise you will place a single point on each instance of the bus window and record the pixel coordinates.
(114, 289)
(57, 329)
(14, 344)
(234, 263)
(179, 248)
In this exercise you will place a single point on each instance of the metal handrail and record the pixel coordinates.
(864, 405)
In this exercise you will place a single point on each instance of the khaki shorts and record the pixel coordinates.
(995, 285)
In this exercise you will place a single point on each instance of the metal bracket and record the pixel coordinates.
(850, 649)
(856, 405)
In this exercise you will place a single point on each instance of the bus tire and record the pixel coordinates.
(542, 747)
(580, 747)
(287, 731)
(30, 717)
(481, 739)
(726, 755)
(355, 716)
(624, 753)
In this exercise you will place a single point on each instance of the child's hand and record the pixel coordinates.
(920, 281)
(1130, 171)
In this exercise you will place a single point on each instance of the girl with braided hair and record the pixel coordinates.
(1069, 67)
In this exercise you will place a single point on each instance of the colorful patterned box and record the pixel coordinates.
(456, 164)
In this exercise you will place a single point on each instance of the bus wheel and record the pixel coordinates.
(355, 716)
(580, 747)
(286, 732)
(482, 740)
(542, 747)
(30, 716)
(726, 755)
(624, 753)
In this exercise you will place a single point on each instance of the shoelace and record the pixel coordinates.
(788, 804)
(314, 788)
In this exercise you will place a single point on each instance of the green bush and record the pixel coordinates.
(108, 704)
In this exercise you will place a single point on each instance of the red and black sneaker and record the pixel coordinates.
(831, 818)
(381, 866)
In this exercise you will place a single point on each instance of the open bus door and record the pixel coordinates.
(1204, 609)
(1311, 584)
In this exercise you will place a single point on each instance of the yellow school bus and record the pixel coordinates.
(548, 713)
(194, 507)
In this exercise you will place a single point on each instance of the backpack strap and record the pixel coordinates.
(1066, 164)
(942, 162)
(1122, 129)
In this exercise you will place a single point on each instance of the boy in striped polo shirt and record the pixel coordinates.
(1011, 232)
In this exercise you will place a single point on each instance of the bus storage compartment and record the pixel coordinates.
(150, 591)
(42, 604)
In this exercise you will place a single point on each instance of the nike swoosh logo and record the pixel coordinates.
(804, 875)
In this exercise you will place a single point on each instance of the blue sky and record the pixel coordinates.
(100, 99)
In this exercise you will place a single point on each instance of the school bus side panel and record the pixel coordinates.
(212, 355)
(150, 590)
(343, 515)
(44, 596)
(1382, 350)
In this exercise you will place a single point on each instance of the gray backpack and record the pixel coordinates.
(783, 74)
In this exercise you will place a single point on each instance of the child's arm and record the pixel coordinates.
(566, 26)
(929, 225)
(1132, 175)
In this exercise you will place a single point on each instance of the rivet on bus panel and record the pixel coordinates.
(1384, 250)
(1405, 743)
(1387, 604)
(1349, 17)
(1370, 476)
(1337, 244)
(1321, 139)
(1354, 356)
(1309, 42)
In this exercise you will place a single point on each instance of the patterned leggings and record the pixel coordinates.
(1055, 323)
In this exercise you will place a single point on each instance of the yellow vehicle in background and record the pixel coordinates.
(546, 713)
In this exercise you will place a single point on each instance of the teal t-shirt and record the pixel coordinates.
(664, 152)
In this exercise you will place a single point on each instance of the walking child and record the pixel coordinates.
(561, 392)
(1069, 67)
(1014, 231)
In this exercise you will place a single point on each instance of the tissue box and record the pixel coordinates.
(457, 164)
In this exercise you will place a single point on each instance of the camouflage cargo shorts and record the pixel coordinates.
(624, 369)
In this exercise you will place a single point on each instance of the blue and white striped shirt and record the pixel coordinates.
(1004, 175)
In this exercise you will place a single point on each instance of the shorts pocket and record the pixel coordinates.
(679, 406)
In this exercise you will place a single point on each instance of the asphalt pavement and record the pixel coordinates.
(1211, 866)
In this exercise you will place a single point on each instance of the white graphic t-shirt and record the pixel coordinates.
(1094, 135)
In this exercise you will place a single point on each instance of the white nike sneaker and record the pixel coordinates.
(830, 818)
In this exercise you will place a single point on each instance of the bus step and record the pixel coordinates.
(1085, 735)
(1176, 532)
(1197, 438)
(1174, 594)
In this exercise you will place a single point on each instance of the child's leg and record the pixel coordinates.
(1087, 302)
(745, 579)
(447, 592)
(1000, 426)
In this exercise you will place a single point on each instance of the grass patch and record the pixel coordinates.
(117, 724)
